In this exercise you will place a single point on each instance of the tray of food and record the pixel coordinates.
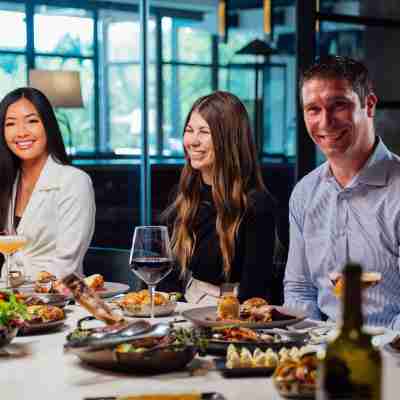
(137, 304)
(243, 371)
(47, 284)
(42, 319)
(219, 339)
(36, 299)
(242, 362)
(253, 313)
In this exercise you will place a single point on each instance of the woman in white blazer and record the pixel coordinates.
(42, 197)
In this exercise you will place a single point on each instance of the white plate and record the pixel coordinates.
(144, 310)
(384, 341)
(324, 334)
(112, 289)
(206, 316)
(109, 289)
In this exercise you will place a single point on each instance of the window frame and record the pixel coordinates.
(100, 123)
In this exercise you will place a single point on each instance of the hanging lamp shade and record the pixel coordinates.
(257, 47)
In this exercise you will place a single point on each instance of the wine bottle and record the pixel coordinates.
(352, 368)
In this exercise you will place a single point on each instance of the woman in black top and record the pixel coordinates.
(223, 217)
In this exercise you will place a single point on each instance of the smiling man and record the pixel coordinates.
(347, 209)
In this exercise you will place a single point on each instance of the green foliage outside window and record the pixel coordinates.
(12, 72)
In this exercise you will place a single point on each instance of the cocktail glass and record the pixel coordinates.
(9, 244)
(368, 279)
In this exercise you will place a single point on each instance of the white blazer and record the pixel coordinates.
(58, 220)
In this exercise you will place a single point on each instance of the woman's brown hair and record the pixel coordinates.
(236, 173)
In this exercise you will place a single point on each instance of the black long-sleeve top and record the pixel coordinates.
(252, 265)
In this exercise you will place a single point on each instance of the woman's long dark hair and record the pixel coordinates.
(9, 162)
(236, 172)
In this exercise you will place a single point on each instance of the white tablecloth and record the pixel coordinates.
(46, 373)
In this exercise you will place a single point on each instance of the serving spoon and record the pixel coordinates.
(130, 333)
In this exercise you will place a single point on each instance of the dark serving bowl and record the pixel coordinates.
(7, 335)
(148, 362)
(165, 355)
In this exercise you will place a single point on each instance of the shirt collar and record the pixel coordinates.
(50, 176)
(374, 172)
(376, 169)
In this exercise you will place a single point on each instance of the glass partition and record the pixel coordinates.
(13, 26)
(12, 47)
(64, 41)
(186, 75)
(120, 65)
(66, 31)
(362, 8)
(77, 124)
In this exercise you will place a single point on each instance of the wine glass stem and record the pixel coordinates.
(152, 290)
(8, 280)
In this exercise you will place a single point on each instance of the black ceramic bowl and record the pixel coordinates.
(147, 362)
(162, 355)
(7, 335)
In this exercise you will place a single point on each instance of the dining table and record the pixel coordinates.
(36, 367)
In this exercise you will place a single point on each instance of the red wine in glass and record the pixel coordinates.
(151, 257)
(151, 270)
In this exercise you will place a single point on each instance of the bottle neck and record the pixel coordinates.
(352, 313)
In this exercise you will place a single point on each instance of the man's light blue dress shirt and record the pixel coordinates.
(331, 225)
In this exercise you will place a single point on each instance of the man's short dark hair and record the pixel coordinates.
(338, 67)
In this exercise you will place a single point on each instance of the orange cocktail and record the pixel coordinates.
(368, 279)
(9, 244)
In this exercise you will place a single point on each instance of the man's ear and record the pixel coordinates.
(370, 103)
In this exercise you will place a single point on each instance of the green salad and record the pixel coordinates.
(177, 340)
(12, 312)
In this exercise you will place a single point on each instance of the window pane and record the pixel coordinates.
(123, 38)
(125, 112)
(63, 30)
(77, 125)
(182, 41)
(365, 43)
(274, 109)
(13, 26)
(365, 8)
(182, 86)
(12, 73)
(279, 106)
(166, 29)
(240, 81)
(236, 40)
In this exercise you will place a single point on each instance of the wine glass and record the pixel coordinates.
(151, 257)
(368, 279)
(10, 242)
